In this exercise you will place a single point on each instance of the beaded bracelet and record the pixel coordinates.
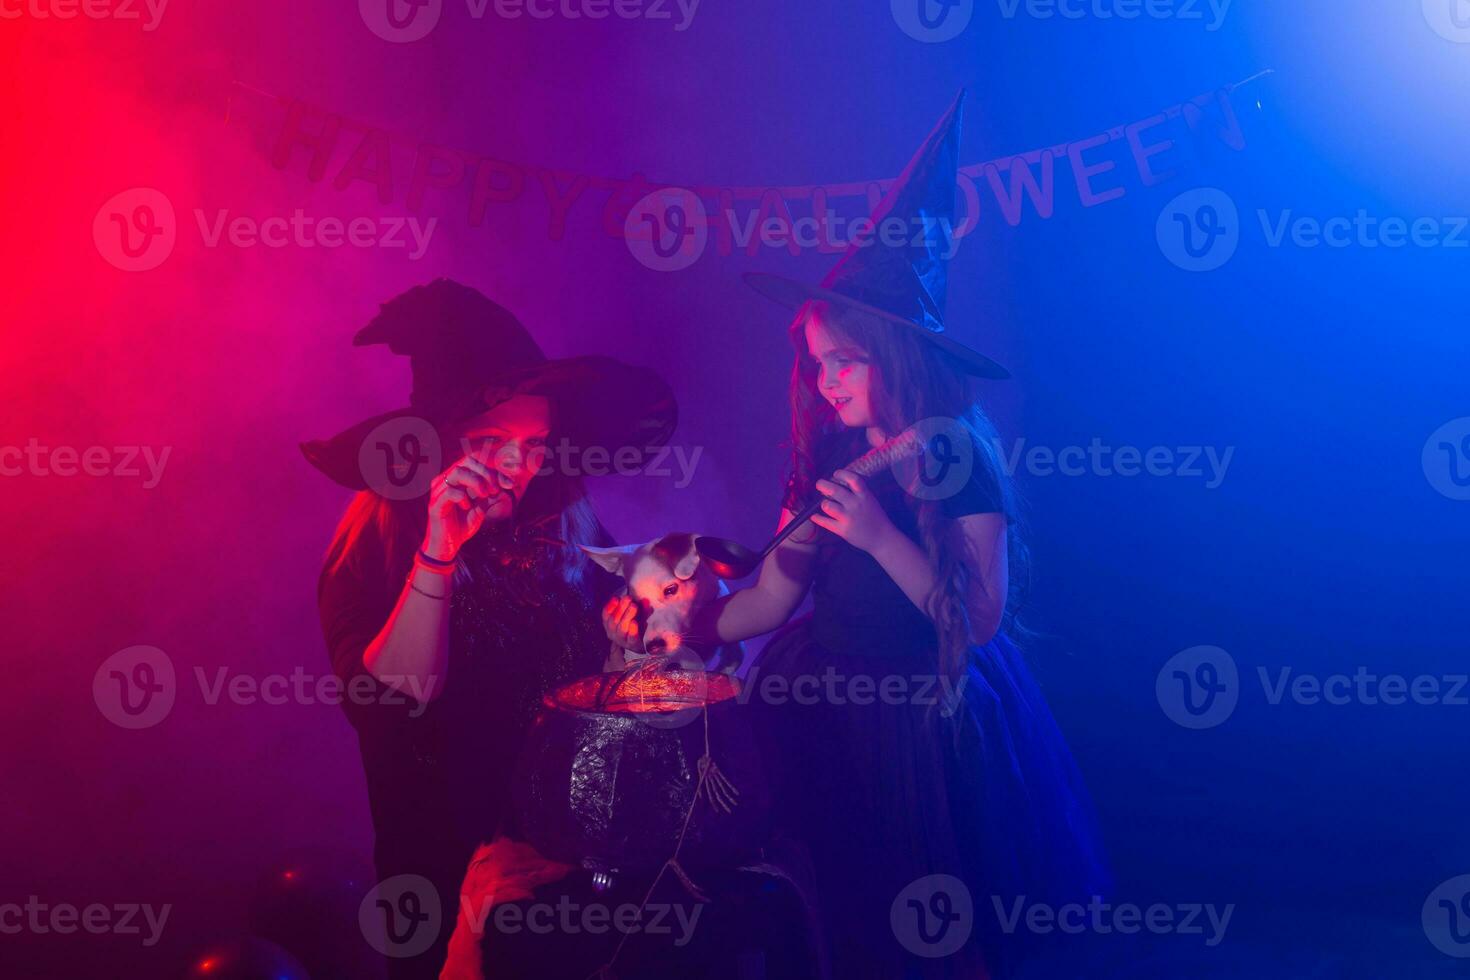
(435, 565)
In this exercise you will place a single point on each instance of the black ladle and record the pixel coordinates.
(731, 559)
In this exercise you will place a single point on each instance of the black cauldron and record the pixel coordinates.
(608, 776)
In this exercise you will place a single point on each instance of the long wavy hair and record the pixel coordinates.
(909, 379)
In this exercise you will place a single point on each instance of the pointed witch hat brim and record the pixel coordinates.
(599, 403)
(468, 354)
(906, 283)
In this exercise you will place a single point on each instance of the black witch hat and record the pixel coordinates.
(903, 283)
(467, 354)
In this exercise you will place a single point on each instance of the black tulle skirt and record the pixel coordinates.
(928, 806)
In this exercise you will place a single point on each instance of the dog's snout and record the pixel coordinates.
(656, 645)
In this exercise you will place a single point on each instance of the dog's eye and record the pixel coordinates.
(671, 590)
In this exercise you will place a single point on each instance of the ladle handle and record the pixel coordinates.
(907, 443)
(797, 520)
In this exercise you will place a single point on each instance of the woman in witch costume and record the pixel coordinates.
(958, 770)
(453, 598)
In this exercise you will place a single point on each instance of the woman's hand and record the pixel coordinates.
(460, 498)
(852, 513)
(620, 621)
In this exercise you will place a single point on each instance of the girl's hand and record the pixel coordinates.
(851, 512)
(620, 621)
(460, 498)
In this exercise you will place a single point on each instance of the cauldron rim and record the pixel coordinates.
(715, 681)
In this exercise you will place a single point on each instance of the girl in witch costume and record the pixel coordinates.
(453, 598)
(926, 809)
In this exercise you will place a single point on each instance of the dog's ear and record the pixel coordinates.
(687, 564)
(611, 559)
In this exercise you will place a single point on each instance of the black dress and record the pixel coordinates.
(439, 775)
(921, 800)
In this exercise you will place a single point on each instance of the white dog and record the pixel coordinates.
(669, 583)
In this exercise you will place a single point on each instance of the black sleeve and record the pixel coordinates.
(980, 494)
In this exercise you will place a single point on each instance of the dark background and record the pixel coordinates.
(1326, 548)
